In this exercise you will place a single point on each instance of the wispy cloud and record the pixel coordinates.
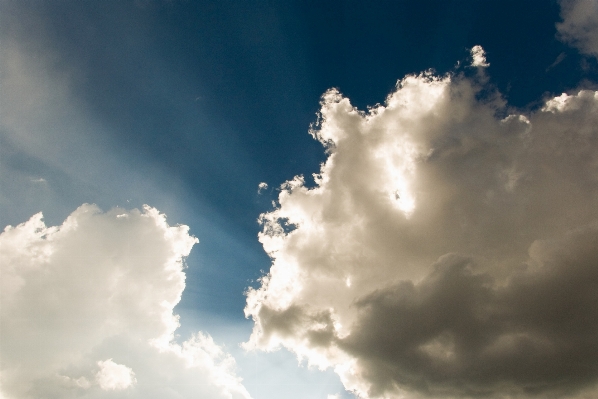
(580, 25)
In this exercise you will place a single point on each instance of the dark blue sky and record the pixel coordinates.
(209, 98)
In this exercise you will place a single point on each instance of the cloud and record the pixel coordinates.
(557, 61)
(261, 187)
(479, 57)
(114, 376)
(445, 251)
(580, 25)
(87, 311)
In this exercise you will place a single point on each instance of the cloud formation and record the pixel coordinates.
(448, 249)
(87, 311)
(580, 25)
(478, 56)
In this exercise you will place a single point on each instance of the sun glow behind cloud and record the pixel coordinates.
(451, 292)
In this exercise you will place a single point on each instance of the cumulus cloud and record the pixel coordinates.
(87, 311)
(580, 25)
(447, 250)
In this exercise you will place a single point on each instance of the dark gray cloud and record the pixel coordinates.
(459, 331)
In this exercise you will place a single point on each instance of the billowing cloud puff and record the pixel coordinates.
(87, 311)
(114, 376)
(478, 56)
(580, 25)
(448, 249)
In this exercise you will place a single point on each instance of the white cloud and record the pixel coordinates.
(114, 377)
(261, 187)
(469, 242)
(580, 25)
(87, 311)
(479, 57)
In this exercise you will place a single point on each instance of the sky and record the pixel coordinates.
(298, 199)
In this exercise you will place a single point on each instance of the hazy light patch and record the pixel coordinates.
(53, 144)
(400, 167)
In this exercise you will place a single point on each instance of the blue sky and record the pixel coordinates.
(188, 106)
